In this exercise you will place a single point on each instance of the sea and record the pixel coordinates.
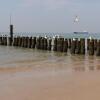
(49, 34)
(16, 57)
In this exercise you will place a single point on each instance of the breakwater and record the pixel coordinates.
(80, 46)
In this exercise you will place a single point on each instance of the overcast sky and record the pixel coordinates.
(50, 15)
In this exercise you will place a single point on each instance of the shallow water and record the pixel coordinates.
(27, 74)
(14, 57)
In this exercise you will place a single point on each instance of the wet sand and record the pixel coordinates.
(28, 75)
(49, 83)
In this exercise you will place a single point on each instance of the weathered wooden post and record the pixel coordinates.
(69, 43)
(78, 46)
(82, 43)
(95, 44)
(45, 44)
(16, 44)
(91, 47)
(98, 48)
(73, 46)
(17, 40)
(26, 41)
(14, 41)
(49, 44)
(0, 39)
(5, 40)
(11, 35)
(88, 40)
(65, 46)
(20, 42)
(38, 42)
(33, 42)
(55, 44)
(42, 43)
(9, 41)
(60, 43)
(23, 39)
(30, 42)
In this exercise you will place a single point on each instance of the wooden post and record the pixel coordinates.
(69, 43)
(82, 51)
(55, 45)
(45, 44)
(42, 43)
(10, 43)
(95, 44)
(98, 48)
(30, 42)
(91, 47)
(49, 44)
(78, 47)
(33, 42)
(65, 46)
(26, 41)
(60, 42)
(88, 40)
(5, 40)
(20, 43)
(23, 39)
(73, 46)
(11, 35)
(38, 42)
(0, 40)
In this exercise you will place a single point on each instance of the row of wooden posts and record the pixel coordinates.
(75, 46)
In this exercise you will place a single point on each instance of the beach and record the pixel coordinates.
(39, 75)
(49, 85)
(49, 50)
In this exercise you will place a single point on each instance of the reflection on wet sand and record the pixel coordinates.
(89, 63)
(57, 61)
(39, 75)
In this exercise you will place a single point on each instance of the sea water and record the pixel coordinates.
(16, 57)
(65, 35)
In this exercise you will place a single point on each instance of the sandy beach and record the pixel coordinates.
(49, 49)
(37, 75)
(49, 84)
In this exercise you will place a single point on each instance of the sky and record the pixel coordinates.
(50, 15)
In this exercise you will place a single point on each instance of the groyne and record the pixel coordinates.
(80, 46)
